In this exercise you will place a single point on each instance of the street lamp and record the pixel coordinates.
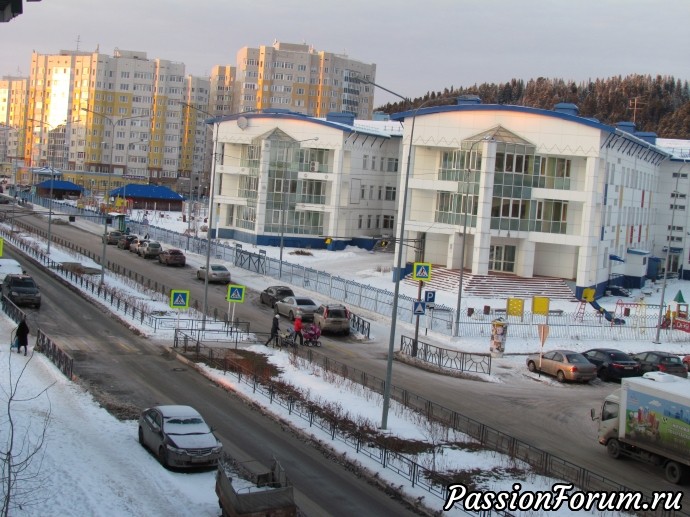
(401, 236)
(668, 251)
(113, 123)
(468, 162)
(52, 181)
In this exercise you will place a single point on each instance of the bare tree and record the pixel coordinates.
(22, 442)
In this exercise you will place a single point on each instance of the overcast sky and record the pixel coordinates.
(417, 46)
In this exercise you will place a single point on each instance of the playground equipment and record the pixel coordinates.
(588, 297)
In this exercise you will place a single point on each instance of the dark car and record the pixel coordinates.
(172, 257)
(179, 436)
(656, 361)
(271, 295)
(125, 241)
(612, 364)
(21, 290)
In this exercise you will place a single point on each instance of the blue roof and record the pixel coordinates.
(134, 190)
(60, 185)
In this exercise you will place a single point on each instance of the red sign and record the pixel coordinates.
(683, 325)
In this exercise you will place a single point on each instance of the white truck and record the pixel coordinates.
(648, 419)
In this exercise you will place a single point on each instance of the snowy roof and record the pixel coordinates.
(679, 149)
(134, 190)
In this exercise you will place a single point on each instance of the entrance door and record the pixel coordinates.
(502, 258)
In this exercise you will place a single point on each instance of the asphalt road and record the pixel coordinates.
(555, 419)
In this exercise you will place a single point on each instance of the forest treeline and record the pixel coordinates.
(658, 104)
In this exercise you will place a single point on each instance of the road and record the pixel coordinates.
(552, 418)
(129, 373)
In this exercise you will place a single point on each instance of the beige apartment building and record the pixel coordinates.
(298, 78)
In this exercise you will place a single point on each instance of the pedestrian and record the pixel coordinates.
(298, 329)
(146, 237)
(22, 336)
(274, 330)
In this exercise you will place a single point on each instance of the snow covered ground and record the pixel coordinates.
(116, 477)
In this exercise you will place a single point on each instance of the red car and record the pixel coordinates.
(172, 257)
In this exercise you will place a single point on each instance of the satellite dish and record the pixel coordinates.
(242, 122)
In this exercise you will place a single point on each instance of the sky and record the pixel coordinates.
(417, 46)
(140, 486)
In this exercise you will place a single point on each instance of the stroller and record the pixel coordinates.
(311, 334)
(286, 338)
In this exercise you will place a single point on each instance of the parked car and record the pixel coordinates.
(179, 436)
(291, 306)
(172, 257)
(656, 361)
(21, 290)
(612, 364)
(565, 365)
(271, 295)
(148, 249)
(125, 241)
(333, 318)
(112, 237)
(134, 245)
(218, 273)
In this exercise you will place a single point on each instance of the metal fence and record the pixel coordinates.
(445, 358)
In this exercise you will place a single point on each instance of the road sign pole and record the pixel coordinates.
(416, 325)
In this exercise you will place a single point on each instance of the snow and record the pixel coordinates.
(115, 476)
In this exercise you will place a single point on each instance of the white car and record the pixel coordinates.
(218, 273)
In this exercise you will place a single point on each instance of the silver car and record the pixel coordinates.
(565, 365)
(179, 437)
(218, 273)
(292, 306)
(149, 249)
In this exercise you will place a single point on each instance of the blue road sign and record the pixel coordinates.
(421, 271)
(235, 293)
(179, 299)
(430, 296)
(419, 308)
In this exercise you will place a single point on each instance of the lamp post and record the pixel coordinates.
(106, 197)
(466, 173)
(668, 251)
(401, 236)
(52, 181)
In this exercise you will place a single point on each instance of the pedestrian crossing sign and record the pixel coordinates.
(236, 293)
(421, 271)
(179, 299)
(2, 245)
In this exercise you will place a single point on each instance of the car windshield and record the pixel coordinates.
(337, 313)
(619, 356)
(670, 360)
(284, 292)
(186, 425)
(174, 252)
(577, 358)
(23, 282)
(154, 245)
(304, 301)
(218, 268)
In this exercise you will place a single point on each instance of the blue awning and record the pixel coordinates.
(616, 258)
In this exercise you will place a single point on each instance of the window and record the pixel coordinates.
(388, 222)
(369, 221)
(365, 162)
(390, 193)
(359, 222)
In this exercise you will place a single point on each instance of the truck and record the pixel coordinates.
(648, 419)
(244, 493)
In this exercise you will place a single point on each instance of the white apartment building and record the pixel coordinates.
(298, 78)
(285, 177)
(538, 192)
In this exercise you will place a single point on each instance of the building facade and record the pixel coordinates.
(298, 78)
(533, 192)
(304, 181)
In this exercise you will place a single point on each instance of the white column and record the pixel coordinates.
(588, 257)
(481, 242)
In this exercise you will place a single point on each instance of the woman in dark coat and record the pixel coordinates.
(22, 336)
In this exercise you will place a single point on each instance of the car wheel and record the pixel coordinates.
(604, 375)
(141, 437)
(613, 448)
(560, 376)
(163, 456)
(291, 316)
(38, 305)
(674, 472)
(531, 366)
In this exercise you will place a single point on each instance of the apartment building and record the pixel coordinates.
(298, 78)
(283, 177)
(535, 192)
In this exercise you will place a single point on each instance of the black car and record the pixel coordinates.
(656, 361)
(271, 295)
(21, 290)
(612, 364)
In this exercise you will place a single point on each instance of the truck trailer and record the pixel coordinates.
(648, 419)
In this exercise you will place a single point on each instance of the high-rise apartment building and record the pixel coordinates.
(13, 105)
(298, 78)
